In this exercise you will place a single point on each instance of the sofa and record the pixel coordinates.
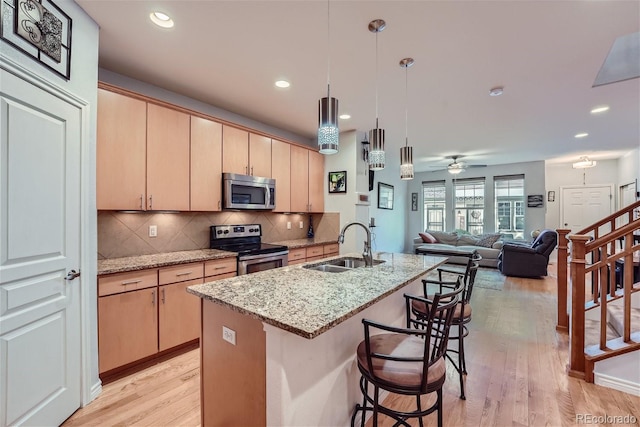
(528, 260)
(487, 245)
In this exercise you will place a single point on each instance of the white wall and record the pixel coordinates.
(82, 84)
(534, 181)
(629, 170)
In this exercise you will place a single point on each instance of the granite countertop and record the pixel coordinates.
(141, 262)
(303, 243)
(308, 302)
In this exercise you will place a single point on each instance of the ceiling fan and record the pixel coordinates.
(457, 167)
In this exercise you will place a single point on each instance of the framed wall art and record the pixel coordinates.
(338, 182)
(385, 196)
(414, 201)
(535, 201)
(40, 30)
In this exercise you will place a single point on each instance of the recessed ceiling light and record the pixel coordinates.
(345, 116)
(496, 91)
(581, 135)
(283, 83)
(161, 19)
(600, 109)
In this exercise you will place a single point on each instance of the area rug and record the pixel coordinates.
(487, 278)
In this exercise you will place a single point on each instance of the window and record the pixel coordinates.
(434, 205)
(509, 195)
(469, 205)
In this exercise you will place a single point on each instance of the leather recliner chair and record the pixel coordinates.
(528, 260)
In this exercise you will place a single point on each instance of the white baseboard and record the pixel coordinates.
(617, 384)
(96, 389)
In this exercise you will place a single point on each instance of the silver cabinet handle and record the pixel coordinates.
(141, 208)
(72, 275)
(185, 273)
(151, 202)
(153, 297)
(131, 282)
(163, 295)
(219, 205)
(219, 268)
(251, 170)
(246, 170)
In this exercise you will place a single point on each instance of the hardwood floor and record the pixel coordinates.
(515, 358)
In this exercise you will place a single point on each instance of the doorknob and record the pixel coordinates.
(72, 275)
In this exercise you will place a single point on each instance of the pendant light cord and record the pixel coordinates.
(329, 56)
(406, 105)
(377, 31)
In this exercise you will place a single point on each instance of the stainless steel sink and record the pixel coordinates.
(340, 265)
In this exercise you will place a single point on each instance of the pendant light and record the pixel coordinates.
(406, 152)
(328, 132)
(376, 136)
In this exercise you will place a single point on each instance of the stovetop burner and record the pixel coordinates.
(242, 239)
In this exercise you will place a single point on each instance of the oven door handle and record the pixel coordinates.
(262, 257)
(267, 195)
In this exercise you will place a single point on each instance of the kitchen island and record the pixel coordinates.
(294, 333)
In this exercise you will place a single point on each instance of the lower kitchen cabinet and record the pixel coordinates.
(178, 314)
(127, 327)
(312, 253)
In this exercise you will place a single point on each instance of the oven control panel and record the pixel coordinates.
(233, 231)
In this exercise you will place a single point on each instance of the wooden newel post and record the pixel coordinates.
(562, 288)
(576, 336)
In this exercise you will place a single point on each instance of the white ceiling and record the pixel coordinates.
(546, 54)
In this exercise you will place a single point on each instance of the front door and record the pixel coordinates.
(40, 369)
(586, 205)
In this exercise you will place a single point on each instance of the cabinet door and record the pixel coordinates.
(206, 164)
(316, 182)
(178, 315)
(280, 162)
(299, 179)
(167, 159)
(235, 150)
(259, 155)
(127, 327)
(121, 152)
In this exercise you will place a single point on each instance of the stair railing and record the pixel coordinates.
(612, 222)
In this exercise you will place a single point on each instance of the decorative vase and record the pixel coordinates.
(310, 231)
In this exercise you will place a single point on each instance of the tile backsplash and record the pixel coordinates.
(123, 234)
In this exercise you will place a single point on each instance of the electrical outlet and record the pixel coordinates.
(153, 231)
(301, 224)
(288, 225)
(229, 335)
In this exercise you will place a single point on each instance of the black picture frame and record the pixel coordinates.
(385, 196)
(337, 182)
(414, 201)
(535, 201)
(40, 30)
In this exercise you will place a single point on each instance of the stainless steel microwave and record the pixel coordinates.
(248, 192)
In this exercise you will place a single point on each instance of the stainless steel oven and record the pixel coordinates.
(245, 240)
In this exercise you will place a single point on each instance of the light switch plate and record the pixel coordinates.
(288, 225)
(153, 231)
(301, 224)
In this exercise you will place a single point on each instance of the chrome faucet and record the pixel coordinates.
(368, 257)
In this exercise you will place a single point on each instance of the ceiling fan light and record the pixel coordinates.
(455, 170)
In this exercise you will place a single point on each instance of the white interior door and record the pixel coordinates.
(584, 206)
(40, 369)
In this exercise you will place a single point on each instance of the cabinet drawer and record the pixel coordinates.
(297, 261)
(333, 248)
(315, 258)
(180, 273)
(297, 254)
(220, 277)
(314, 252)
(220, 266)
(129, 281)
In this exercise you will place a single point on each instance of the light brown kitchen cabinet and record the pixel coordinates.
(178, 314)
(297, 256)
(167, 159)
(307, 180)
(206, 165)
(331, 249)
(219, 267)
(127, 327)
(121, 152)
(280, 171)
(235, 150)
(259, 155)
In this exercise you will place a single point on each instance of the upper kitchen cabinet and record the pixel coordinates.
(307, 178)
(167, 159)
(121, 152)
(281, 163)
(245, 153)
(206, 164)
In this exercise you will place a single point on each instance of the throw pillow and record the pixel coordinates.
(468, 239)
(488, 240)
(427, 238)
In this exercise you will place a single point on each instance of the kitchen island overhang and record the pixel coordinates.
(296, 331)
